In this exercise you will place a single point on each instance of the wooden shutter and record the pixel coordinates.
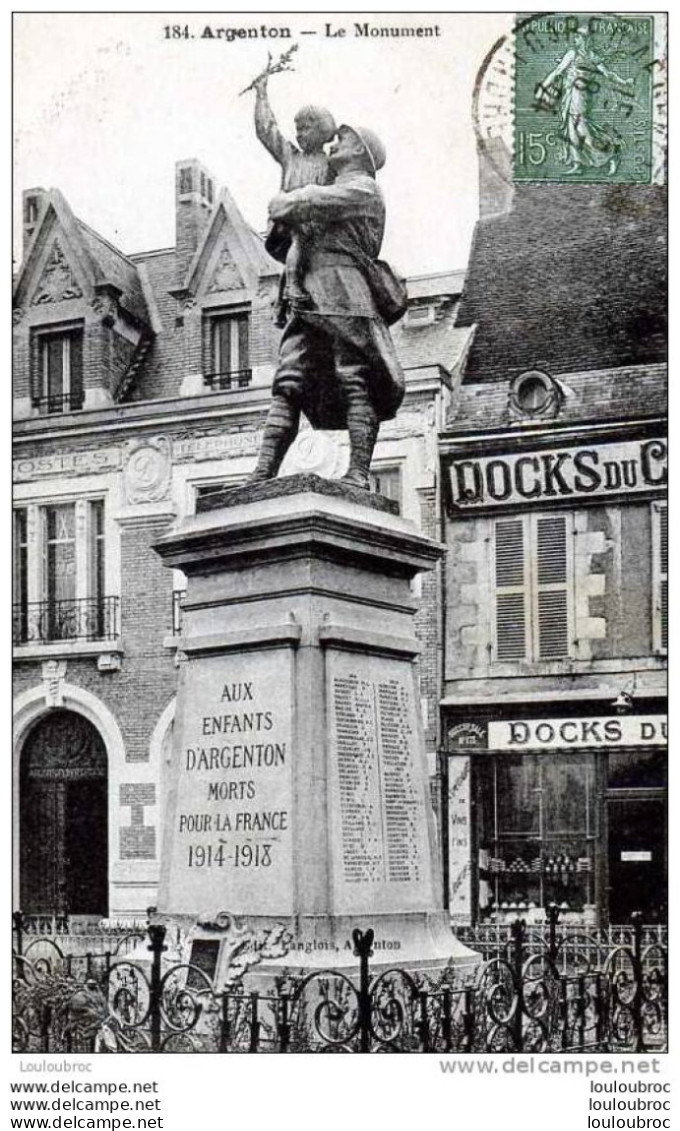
(35, 351)
(54, 353)
(510, 578)
(222, 353)
(75, 347)
(660, 575)
(243, 352)
(551, 607)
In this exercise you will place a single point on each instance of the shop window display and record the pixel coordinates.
(537, 832)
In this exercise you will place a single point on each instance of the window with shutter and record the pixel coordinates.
(387, 481)
(57, 369)
(551, 620)
(511, 595)
(60, 575)
(226, 350)
(660, 577)
(20, 572)
(532, 583)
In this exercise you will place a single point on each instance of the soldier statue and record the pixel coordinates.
(337, 362)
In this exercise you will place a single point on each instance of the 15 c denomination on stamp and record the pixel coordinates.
(583, 99)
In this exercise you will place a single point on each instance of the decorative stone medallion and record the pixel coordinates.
(147, 470)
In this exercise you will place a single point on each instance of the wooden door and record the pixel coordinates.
(63, 827)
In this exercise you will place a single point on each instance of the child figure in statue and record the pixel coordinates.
(306, 165)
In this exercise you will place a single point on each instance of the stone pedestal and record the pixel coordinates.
(299, 791)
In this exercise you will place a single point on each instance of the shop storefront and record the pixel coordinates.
(556, 808)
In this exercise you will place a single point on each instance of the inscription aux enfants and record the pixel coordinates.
(557, 475)
(231, 812)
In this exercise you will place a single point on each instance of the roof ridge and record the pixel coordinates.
(135, 255)
(102, 239)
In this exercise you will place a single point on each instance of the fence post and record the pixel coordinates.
(636, 919)
(157, 935)
(553, 913)
(564, 1011)
(45, 1023)
(18, 920)
(446, 1019)
(518, 931)
(284, 1024)
(254, 1022)
(582, 1004)
(423, 1024)
(601, 1005)
(363, 943)
(225, 1026)
(469, 1001)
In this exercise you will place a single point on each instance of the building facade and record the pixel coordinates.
(554, 482)
(141, 381)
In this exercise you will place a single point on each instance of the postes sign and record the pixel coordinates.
(558, 475)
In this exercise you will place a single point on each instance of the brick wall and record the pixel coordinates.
(138, 693)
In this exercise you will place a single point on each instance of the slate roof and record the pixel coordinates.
(147, 278)
(161, 271)
(572, 278)
(118, 269)
(615, 394)
(431, 286)
(438, 343)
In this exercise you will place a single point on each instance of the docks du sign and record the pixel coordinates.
(558, 475)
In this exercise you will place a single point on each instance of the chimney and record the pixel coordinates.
(495, 177)
(33, 203)
(195, 194)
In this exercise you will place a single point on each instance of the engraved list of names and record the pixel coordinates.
(378, 775)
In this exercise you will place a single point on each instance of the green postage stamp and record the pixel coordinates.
(583, 98)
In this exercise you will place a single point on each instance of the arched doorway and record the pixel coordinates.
(63, 826)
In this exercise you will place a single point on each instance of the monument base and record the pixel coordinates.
(299, 796)
(420, 943)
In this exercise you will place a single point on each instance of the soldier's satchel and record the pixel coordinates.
(389, 291)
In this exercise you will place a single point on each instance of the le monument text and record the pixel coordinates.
(355, 30)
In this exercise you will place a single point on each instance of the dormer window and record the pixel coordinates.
(534, 394)
(421, 314)
(57, 369)
(226, 350)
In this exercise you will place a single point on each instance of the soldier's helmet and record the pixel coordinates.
(371, 143)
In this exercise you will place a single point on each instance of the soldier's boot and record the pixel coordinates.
(279, 433)
(363, 433)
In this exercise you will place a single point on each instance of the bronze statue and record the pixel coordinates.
(337, 362)
(306, 165)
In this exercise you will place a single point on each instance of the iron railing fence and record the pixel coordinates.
(75, 936)
(517, 1002)
(81, 618)
(228, 379)
(59, 402)
(577, 947)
